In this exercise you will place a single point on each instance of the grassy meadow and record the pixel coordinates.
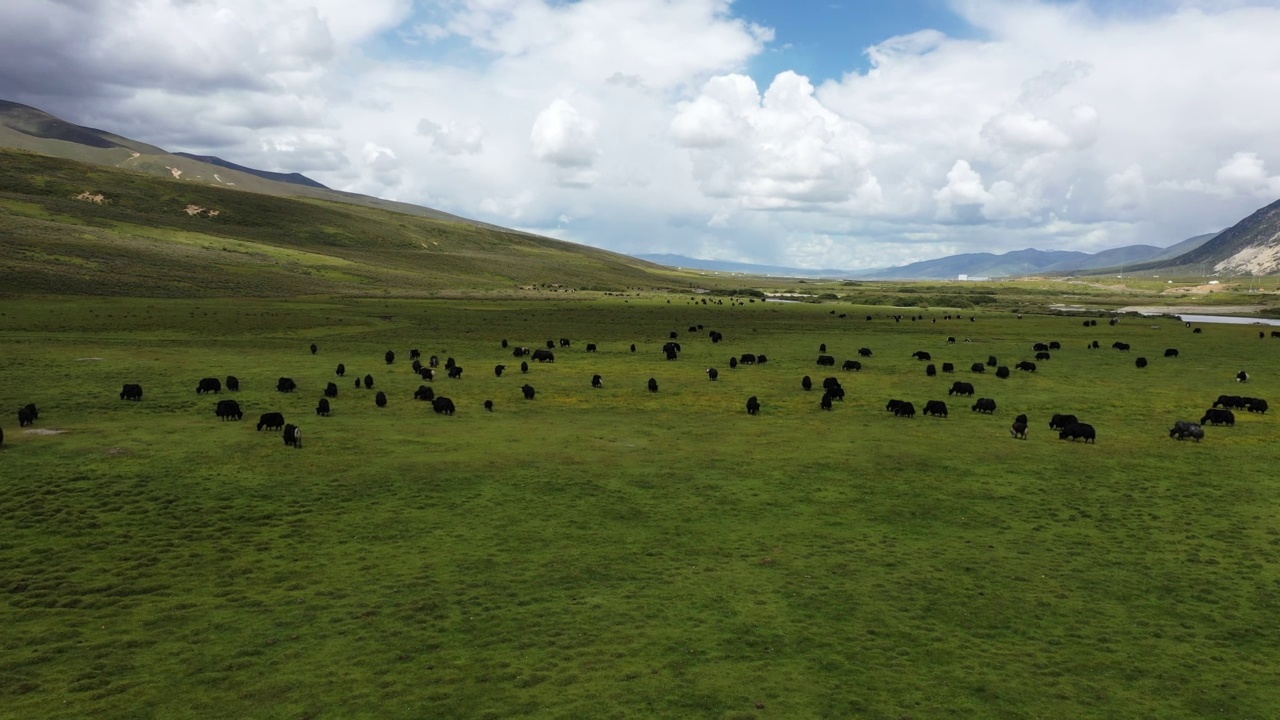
(614, 553)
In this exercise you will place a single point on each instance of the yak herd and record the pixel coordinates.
(1068, 426)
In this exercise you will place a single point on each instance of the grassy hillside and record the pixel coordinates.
(132, 234)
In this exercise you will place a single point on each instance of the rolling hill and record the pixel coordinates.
(76, 228)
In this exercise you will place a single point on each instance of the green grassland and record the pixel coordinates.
(614, 553)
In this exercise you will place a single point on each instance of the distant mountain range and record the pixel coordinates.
(1017, 262)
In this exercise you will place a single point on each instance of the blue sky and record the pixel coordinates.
(826, 39)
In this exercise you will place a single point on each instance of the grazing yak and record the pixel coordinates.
(1196, 331)
(948, 367)
(892, 405)
(653, 385)
(27, 417)
(426, 374)
(747, 359)
(233, 383)
(286, 385)
(442, 406)
(715, 336)
(415, 353)
(961, 388)
(1039, 347)
(1078, 431)
(836, 392)
(991, 361)
(270, 421)
(984, 405)
(822, 348)
(416, 366)
(978, 368)
(455, 372)
(1042, 356)
(633, 347)
(528, 391)
(921, 355)
(520, 352)
(864, 352)
(293, 436)
(390, 357)
(1242, 377)
(1140, 363)
(671, 354)
(564, 342)
(1257, 405)
(1002, 372)
(505, 345)
(229, 410)
(826, 360)
(597, 382)
(1123, 347)
(1231, 401)
(591, 347)
(433, 361)
(753, 405)
(1021, 418)
(342, 370)
(322, 408)
(551, 344)
(450, 363)
(488, 405)
(733, 363)
(1171, 352)
(424, 394)
(936, 408)
(1026, 366)
(498, 370)
(951, 341)
(209, 385)
(131, 391)
(930, 370)
(1094, 345)
(1055, 345)
(1019, 429)
(831, 382)
(544, 356)
(851, 365)
(314, 349)
(524, 367)
(825, 402)
(368, 382)
(806, 382)
(1214, 416)
(380, 399)
(357, 383)
(1059, 422)
(674, 334)
(712, 373)
(906, 410)
(1183, 429)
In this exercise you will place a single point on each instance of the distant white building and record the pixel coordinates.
(975, 278)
